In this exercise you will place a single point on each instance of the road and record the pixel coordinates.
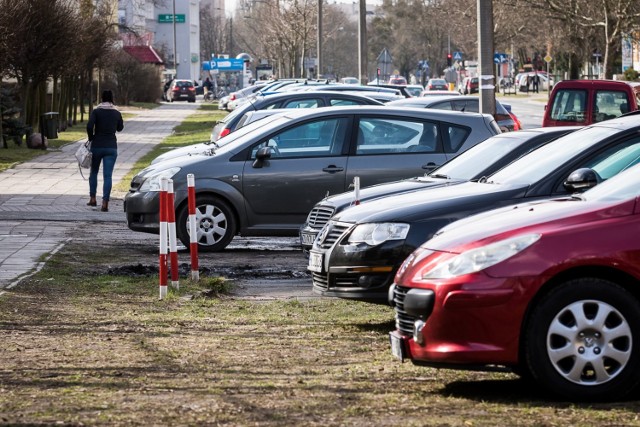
(528, 110)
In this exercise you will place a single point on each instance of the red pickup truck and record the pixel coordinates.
(583, 102)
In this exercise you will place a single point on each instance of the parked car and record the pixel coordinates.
(414, 90)
(439, 93)
(241, 96)
(524, 81)
(469, 86)
(402, 89)
(397, 80)
(361, 248)
(304, 99)
(264, 179)
(478, 161)
(384, 97)
(460, 103)
(181, 89)
(350, 80)
(583, 102)
(396, 90)
(546, 289)
(436, 84)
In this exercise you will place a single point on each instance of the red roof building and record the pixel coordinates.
(144, 54)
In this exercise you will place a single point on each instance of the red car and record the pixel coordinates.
(549, 290)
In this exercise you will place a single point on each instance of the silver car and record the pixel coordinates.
(263, 179)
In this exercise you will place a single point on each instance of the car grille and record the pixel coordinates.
(319, 216)
(404, 322)
(320, 281)
(335, 231)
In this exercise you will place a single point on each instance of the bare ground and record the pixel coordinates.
(87, 342)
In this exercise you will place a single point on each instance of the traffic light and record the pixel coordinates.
(448, 59)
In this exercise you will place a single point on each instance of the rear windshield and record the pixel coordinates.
(570, 105)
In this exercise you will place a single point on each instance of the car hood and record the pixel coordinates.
(339, 201)
(420, 205)
(534, 217)
(200, 148)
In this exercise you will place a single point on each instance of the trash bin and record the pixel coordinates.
(49, 125)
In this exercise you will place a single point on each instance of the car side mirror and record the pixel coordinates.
(581, 180)
(263, 154)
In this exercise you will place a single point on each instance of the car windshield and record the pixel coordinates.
(624, 186)
(470, 163)
(540, 163)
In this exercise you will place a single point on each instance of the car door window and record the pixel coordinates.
(453, 137)
(302, 103)
(570, 105)
(384, 136)
(444, 105)
(319, 138)
(616, 159)
(468, 106)
(609, 104)
(341, 102)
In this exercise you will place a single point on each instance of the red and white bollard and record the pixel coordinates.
(193, 238)
(173, 243)
(356, 190)
(163, 238)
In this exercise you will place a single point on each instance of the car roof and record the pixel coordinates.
(445, 115)
(305, 94)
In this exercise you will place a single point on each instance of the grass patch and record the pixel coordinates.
(196, 128)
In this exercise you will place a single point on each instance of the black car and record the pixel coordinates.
(358, 252)
(479, 161)
(181, 89)
(311, 99)
(469, 104)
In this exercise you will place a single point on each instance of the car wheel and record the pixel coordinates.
(215, 224)
(583, 340)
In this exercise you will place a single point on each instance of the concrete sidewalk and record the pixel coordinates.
(42, 198)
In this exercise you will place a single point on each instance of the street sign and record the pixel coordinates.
(499, 58)
(457, 56)
(548, 59)
(232, 64)
(168, 18)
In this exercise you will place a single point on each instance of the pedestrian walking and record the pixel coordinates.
(105, 120)
(536, 82)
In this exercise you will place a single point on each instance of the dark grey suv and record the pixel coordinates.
(263, 179)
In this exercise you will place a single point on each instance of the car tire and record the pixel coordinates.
(215, 224)
(583, 340)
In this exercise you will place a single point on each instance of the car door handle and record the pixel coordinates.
(429, 166)
(332, 169)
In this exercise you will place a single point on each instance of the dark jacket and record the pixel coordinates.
(103, 124)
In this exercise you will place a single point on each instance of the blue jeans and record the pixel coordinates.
(108, 158)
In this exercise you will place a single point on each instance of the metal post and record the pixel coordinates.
(319, 64)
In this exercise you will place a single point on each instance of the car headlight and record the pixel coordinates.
(480, 258)
(152, 181)
(374, 234)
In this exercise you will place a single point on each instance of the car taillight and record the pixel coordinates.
(517, 125)
(224, 132)
(176, 89)
(232, 97)
(192, 89)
